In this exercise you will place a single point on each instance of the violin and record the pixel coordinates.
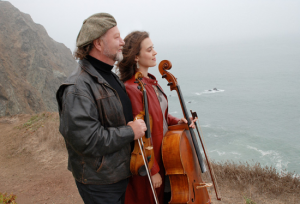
(181, 155)
(142, 156)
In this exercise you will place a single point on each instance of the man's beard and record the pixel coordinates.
(116, 56)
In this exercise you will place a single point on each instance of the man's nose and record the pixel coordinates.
(122, 42)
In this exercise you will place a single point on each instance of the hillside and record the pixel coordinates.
(32, 65)
(33, 165)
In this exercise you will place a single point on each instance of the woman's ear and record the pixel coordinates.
(136, 58)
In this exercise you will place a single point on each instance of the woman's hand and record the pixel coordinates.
(192, 125)
(156, 180)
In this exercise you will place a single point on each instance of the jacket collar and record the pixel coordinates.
(87, 67)
(151, 80)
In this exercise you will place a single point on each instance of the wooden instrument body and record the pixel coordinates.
(136, 160)
(140, 163)
(182, 167)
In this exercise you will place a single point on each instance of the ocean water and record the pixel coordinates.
(254, 116)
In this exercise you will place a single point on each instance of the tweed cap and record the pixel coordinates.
(94, 27)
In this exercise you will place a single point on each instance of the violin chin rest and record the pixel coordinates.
(203, 185)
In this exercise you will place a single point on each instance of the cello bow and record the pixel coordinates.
(211, 171)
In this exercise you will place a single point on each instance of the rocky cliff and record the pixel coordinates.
(32, 65)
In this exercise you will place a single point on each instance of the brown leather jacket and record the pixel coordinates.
(94, 127)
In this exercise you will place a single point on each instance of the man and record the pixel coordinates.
(94, 109)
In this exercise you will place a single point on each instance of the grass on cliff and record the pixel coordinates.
(255, 183)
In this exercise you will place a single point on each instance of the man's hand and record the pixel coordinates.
(156, 180)
(139, 127)
(192, 125)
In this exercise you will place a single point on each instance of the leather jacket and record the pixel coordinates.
(94, 127)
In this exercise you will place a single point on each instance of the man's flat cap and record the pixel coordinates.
(94, 27)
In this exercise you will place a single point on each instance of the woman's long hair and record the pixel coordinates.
(132, 47)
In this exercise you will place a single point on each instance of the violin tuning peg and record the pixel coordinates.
(139, 87)
(164, 76)
(169, 84)
(136, 82)
(145, 84)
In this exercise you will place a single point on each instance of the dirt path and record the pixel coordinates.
(34, 175)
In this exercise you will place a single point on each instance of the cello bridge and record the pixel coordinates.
(203, 185)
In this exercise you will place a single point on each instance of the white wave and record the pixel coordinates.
(276, 159)
(219, 153)
(264, 153)
(236, 153)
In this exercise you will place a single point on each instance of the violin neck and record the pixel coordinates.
(146, 118)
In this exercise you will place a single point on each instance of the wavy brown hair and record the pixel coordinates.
(131, 49)
(82, 52)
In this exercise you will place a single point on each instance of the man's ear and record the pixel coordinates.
(98, 44)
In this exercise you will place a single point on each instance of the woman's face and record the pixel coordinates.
(146, 58)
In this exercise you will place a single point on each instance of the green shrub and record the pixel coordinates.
(249, 201)
(7, 199)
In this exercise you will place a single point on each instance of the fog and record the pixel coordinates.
(169, 21)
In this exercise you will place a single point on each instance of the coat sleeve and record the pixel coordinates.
(172, 120)
(82, 130)
(136, 98)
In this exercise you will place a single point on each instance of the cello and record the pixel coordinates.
(181, 154)
(142, 156)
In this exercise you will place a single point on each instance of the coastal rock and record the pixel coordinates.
(32, 64)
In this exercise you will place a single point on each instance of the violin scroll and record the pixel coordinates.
(138, 77)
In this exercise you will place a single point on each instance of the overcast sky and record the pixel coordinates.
(172, 21)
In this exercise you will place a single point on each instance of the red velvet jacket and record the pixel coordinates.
(139, 190)
(136, 98)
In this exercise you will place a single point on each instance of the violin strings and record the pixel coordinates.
(154, 193)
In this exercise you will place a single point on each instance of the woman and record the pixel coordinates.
(139, 55)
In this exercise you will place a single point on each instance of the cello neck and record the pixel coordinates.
(172, 82)
(182, 102)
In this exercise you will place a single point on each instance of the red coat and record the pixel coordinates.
(139, 190)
